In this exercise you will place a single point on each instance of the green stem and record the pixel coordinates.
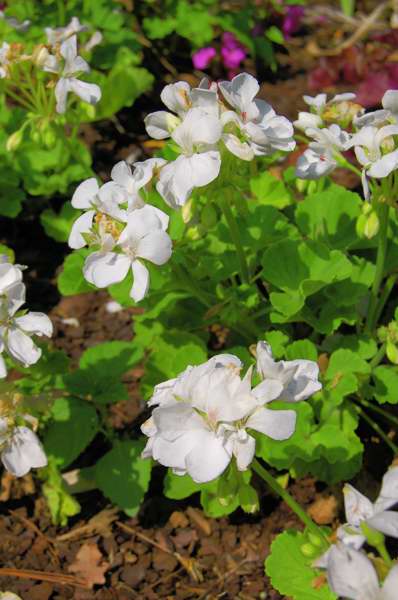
(235, 235)
(290, 501)
(343, 162)
(378, 357)
(377, 429)
(19, 100)
(384, 296)
(380, 411)
(382, 550)
(380, 260)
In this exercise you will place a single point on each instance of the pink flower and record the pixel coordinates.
(203, 57)
(232, 51)
(292, 20)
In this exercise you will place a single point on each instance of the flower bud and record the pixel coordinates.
(248, 498)
(209, 216)
(14, 141)
(315, 540)
(373, 537)
(308, 550)
(301, 185)
(40, 55)
(392, 352)
(226, 490)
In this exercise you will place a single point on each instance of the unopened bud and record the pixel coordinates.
(308, 550)
(187, 211)
(368, 222)
(14, 141)
(316, 540)
(209, 217)
(301, 185)
(392, 352)
(248, 498)
(40, 55)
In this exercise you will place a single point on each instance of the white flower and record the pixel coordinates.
(292, 380)
(318, 104)
(4, 59)
(199, 162)
(179, 98)
(262, 130)
(68, 82)
(20, 449)
(306, 120)
(387, 114)
(203, 417)
(133, 182)
(61, 34)
(142, 238)
(9, 596)
(319, 159)
(375, 151)
(352, 575)
(105, 200)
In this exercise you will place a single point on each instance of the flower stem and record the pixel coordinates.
(290, 501)
(380, 260)
(377, 429)
(382, 550)
(234, 231)
(380, 411)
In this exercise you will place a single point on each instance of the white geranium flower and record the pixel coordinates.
(133, 182)
(199, 162)
(291, 380)
(203, 416)
(95, 200)
(385, 115)
(143, 237)
(179, 99)
(319, 159)
(61, 34)
(10, 275)
(351, 575)
(262, 130)
(4, 59)
(375, 151)
(68, 82)
(20, 449)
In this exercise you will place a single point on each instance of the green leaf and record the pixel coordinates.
(10, 201)
(58, 226)
(277, 340)
(330, 216)
(362, 345)
(71, 280)
(178, 487)
(113, 358)
(300, 269)
(158, 28)
(301, 349)
(61, 504)
(344, 372)
(274, 34)
(386, 384)
(123, 476)
(8, 252)
(290, 571)
(270, 191)
(73, 426)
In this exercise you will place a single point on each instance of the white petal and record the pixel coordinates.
(36, 323)
(386, 522)
(240, 93)
(240, 149)
(140, 281)
(140, 223)
(390, 585)
(122, 175)
(276, 424)
(160, 124)
(23, 452)
(176, 96)
(244, 451)
(21, 347)
(85, 193)
(83, 224)
(209, 457)
(202, 169)
(69, 49)
(267, 390)
(390, 101)
(89, 92)
(156, 247)
(389, 490)
(385, 165)
(198, 127)
(358, 508)
(105, 268)
(3, 368)
(61, 92)
(351, 574)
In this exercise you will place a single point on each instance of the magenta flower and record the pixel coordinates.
(203, 57)
(232, 51)
(292, 20)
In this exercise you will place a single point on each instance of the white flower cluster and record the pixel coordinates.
(350, 573)
(373, 136)
(120, 227)
(17, 327)
(59, 57)
(203, 418)
(205, 121)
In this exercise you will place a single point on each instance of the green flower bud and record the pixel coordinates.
(209, 216)
(308, 550)
(248, 498)
(372, 225)
(312, 186)
(14, 141)
(392, 352)
(316, 540)
(373, 537)
(301, 185)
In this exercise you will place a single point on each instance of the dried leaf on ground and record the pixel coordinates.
(89, 565)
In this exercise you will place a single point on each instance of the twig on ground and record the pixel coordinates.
(58, 578)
